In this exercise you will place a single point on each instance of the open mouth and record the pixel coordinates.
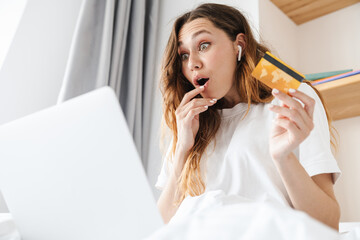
(202, 81)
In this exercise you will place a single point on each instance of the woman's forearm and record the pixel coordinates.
(168, 198)
(305, 194)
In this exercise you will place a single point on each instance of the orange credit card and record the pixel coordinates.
(277, 74)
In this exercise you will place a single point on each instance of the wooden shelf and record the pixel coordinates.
(342, 97)
(301, 11)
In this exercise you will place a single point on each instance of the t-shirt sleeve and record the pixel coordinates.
(165, 169)
(315, 152)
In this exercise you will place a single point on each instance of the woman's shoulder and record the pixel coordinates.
(306, 88)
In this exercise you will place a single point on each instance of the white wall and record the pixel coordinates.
(169, 10)
(348, 156)
(32, 72)
(33, 69)
(328, 43)
(331, 42)
(10, 15)
(279, 33)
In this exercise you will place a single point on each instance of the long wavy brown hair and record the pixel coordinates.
(174, 85)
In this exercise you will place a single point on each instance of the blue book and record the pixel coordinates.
(337, 77)
(316, 76)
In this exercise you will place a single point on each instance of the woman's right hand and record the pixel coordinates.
(187, 118)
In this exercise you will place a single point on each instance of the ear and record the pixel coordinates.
(240, 40)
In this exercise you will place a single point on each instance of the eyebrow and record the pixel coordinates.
(196, 34)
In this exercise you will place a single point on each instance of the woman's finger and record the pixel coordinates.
(293, 115)
(197, 102)
(289, 126)
(194, 112)
(291, 103)
(308, 101)
(190, 95)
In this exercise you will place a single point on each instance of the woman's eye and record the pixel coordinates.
(204, 46)
(184, 56)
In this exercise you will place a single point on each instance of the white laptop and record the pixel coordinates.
(72, 172)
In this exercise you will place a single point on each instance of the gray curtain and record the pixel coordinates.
(114, 44)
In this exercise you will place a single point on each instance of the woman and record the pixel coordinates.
(232, 132)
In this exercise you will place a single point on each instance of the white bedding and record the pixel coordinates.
(214, 215)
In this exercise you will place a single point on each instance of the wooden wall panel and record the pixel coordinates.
(301, 11)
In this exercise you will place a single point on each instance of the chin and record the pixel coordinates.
(212, 94)
(205, 94)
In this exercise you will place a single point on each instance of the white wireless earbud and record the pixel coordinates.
(239, 56)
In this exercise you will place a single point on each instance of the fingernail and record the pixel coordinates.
(275, 91)
(206, 107)
(212, 101)
(201, 87)
(291, 90)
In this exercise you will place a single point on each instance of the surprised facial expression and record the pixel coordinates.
(208, 58)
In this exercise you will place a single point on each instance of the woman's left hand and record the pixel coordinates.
(292, 124)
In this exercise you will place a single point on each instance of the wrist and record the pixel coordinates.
(284, 161)
(281, 158)
(181, 152)
(180, 157)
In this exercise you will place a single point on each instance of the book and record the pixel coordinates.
(316, 76)
(333, 78)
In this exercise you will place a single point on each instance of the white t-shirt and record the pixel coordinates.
(240, 163)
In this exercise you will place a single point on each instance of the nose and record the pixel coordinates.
(194, 62)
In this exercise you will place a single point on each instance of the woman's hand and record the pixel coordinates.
(293, 123)
(187, 118)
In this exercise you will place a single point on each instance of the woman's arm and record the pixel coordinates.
(313, 195)
(168, 197)
(293, 125)
(187, 119)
